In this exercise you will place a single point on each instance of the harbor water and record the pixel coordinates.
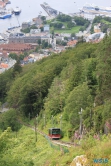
(31, 9)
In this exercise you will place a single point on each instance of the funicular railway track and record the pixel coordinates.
(57, 142)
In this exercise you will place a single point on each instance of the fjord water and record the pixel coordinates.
(31, 9)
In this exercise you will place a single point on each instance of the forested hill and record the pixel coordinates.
(63, 84)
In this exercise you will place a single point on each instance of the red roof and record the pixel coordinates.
(15, 47)
(71, 43)
(3, 65)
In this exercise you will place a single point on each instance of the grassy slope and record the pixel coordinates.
(106, 22)
(93, 149)
(66, 30)
(73, 30)
(23, 151)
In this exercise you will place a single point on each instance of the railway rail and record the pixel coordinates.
(57, 142)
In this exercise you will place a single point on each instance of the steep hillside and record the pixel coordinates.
(63, 84)
(70, 90)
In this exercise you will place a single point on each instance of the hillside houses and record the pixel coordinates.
(72, 43)
(95, 37)
(33, 40)
(6, 63)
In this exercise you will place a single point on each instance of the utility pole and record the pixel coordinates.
(94, 118)
(52, 120)
(44, 121)
(90, 118)
(0, 106)
(37, 120)
(80, 113)
(35, 129)
(29, 116)
(61, 122)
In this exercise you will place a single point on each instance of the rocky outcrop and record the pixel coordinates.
(79, 161)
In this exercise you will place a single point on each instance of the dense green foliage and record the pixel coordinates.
(27, 30)
(9, 119)
(63, 18)
(81, 21)
(56, 25)
(55, 90)
(23, 151)
(63, 84)
(35, 89)
(16, 57)
(65, 22)
(5, 83)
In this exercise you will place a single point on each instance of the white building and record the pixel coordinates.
(35, 31)
(95, 36)
(46, 28)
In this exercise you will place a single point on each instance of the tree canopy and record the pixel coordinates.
(64, 83)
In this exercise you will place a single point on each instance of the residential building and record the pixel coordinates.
(35, 31)
(79, 34)
(25, 25)
(38, 21)
(59, 38)
(6, 63)
(3, 67)
(46, 28)
(1, 39)
(68, 35)
(59, 49)
(95, 37)
(72, 43)
(97, 28)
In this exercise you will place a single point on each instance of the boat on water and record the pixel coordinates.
(95, 9)
(17, 11)
(14, 27)
(5, 14)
